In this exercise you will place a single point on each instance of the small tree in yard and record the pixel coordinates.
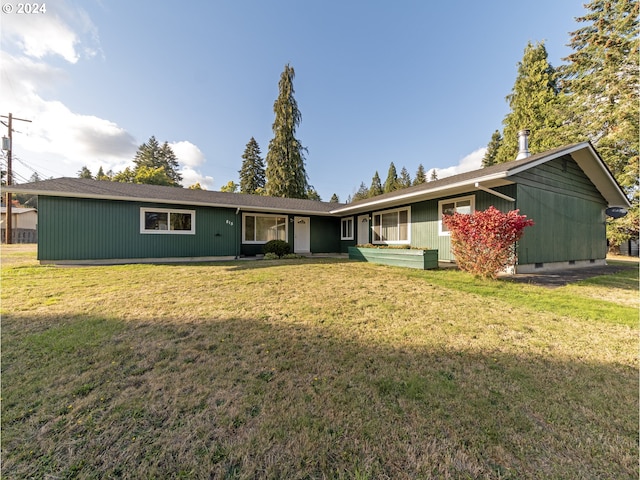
(484, 242)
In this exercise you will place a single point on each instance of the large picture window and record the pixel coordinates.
(167, 221)
(464, 205)
(262, 228)
(392, 226)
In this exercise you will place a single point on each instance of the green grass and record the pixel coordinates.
(314, 369)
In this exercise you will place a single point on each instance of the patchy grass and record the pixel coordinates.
(621, 289)
(313, 369)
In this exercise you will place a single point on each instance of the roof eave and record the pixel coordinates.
(128, 198)
(421, 194)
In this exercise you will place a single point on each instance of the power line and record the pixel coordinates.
(23, 163)
(16, 175)
(7, 145)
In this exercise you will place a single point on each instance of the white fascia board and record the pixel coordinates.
(548, 158)
(245, 208)
(413, 196)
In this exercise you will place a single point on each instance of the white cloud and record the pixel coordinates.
(64, 30)
(473, 161)
(188, 154)
(191, 177)
(38, 36)
(21, 77)
(59, 141)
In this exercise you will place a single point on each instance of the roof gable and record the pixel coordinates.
(501, 174)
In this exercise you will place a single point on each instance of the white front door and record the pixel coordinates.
(363, 229)
(301, 235)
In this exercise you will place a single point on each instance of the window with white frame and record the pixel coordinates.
(262, 228)
(167, 221)
(450, 206)
(347, 229)
(392, 226)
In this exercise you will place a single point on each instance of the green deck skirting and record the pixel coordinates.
(421, 259)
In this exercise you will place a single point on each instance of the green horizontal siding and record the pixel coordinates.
(87, 229)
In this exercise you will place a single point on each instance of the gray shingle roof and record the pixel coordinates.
(87, 188)
(597, 171)
(501, 168)
(584, 152)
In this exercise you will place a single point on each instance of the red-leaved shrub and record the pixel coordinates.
(484, 242)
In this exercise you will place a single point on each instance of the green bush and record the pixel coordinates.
(279, 247)
(271, 256)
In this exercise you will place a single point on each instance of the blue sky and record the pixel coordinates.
(413, 82)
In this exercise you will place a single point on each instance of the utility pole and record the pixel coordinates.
(8, 230)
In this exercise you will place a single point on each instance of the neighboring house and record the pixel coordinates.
(565, 191)
(630, 247)
(24, 224)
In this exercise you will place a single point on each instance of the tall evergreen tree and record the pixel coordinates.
(534, 103)
(101, 175)
(286, 175)
(312, 194)
(252, 172)
(84, 172)
(602, 81)
(492, 149)
(376, 186)
(391, 183)
(150, 157)
(434, 175)
(169, 161)
(421, 175)
(361, 194)
(405, 179)
(334, 198)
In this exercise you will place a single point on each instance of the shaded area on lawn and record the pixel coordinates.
(94, 397)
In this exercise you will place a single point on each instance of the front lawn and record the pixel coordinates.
(315, 368)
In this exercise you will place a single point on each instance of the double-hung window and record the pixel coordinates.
(262, 228)
(167, 221)
(464, 205)
(347, 229)
(392, 226)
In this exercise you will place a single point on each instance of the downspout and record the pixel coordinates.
(236, 234)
